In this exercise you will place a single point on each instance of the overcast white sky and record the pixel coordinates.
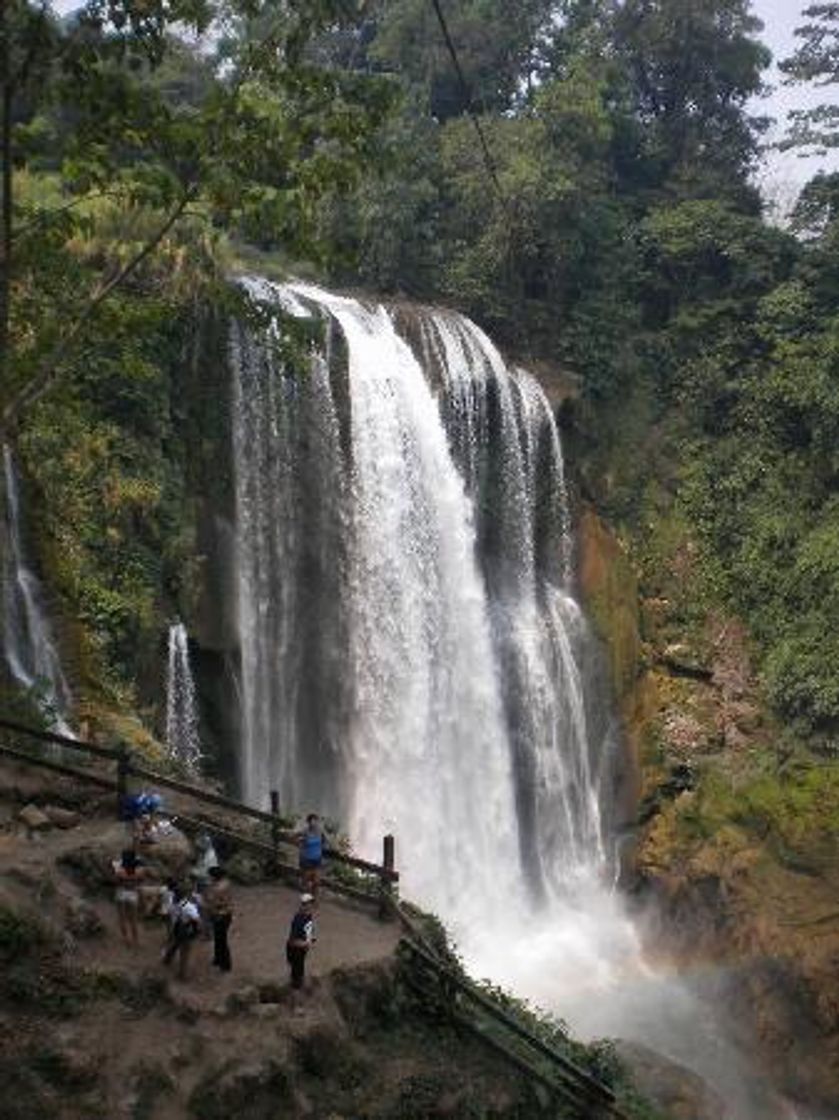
(785, 172)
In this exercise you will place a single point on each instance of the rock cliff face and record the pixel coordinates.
(737, 849)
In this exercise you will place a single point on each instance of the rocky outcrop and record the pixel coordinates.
(679, 1093)
(736, 865)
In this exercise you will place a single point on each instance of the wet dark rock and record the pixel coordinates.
(677, 1091)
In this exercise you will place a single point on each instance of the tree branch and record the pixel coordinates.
(44, 216)
(43, 378)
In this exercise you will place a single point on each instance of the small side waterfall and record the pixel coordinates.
(182, 737)
(28, 644)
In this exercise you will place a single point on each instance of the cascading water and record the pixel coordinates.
(413, 658)
(28, 643)
(182, 737)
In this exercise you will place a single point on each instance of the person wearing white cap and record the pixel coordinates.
(301, 937)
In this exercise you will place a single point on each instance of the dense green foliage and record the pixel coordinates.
(628, 247)
(816, 59)
(623, 244)
(131, 151)
(116, 103)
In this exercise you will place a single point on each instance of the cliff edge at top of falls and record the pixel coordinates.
(735, 869)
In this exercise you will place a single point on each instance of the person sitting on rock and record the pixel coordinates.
(129, 872)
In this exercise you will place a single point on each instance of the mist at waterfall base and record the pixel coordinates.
(414, 661)
(28, 643)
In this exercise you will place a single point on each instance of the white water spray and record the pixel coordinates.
(414, 661)
(182, 737)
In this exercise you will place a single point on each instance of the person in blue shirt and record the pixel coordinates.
(301, 937)
(311, 843)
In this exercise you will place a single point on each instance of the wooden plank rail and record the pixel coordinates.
(126, 767)
(587, 1084)
(59, 768)
(198, 793)
(568, 1080)
(578, 1086)
(60, 740)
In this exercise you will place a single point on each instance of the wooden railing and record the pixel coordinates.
(454, 995)
(577, 1092)
(376, 882)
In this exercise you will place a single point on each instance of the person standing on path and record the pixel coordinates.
(311, 843)
(218, 900)
(301, 937)
(129, 873)
(186, 925)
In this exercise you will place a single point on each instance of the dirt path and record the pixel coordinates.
(347, 933)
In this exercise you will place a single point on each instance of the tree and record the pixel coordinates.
(497, 44)
(816, 59)
(251, 134)
(689, 69)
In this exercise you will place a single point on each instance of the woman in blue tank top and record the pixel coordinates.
(311, 854)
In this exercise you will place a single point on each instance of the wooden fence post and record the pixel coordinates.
(386, 883)
(275, 826)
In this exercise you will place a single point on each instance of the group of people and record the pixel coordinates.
(204, 907)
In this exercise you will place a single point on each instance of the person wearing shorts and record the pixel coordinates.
(129, 873)
(301, 937)
(311, 843)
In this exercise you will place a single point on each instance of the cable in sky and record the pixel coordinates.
(490, 166)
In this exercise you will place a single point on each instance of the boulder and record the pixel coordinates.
(35, 819)
(62, 818)
(170, 856)
(93, 861)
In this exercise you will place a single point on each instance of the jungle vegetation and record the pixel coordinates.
(613, 230)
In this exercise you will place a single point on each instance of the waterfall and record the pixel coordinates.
(414, 659)
(28, 644)
(182, 738)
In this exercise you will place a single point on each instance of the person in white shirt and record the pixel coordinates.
(184, 928)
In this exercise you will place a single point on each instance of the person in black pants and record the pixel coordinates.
(218, 900)
(301, 937)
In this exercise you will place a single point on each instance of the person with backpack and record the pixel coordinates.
(185, 925)
(311, 843)
(301, 937)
